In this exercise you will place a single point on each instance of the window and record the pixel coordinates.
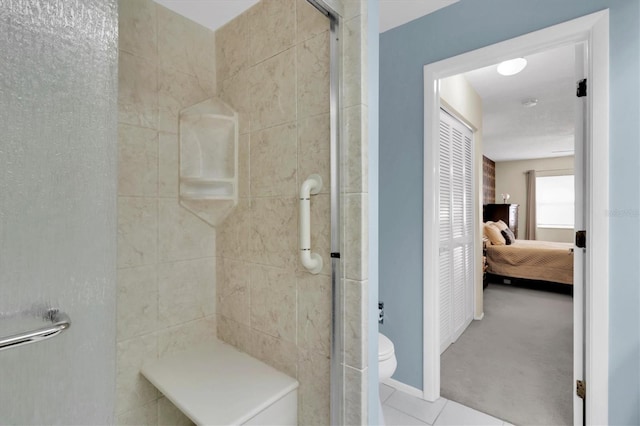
(555, 201)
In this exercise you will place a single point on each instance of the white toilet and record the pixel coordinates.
(387, 364)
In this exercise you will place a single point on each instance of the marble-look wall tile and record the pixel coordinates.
(137, 231)
(232, 48)
(176, 91)
(355, 398)
(234, 333)
(170, 415)
(185, 336)
(288, 90)
(133, 390)
(310, 22)
(273, 159)
(313, 76)
(356, 323)
(168, 165)
(236, 92)
(314, 154)
(273, 90)
(244, 161)
(273, 311)
(143, 415)
(166, 63)
(186, 290)
(356, 244)
(278, 353)
(354, 62)
(321, 231)
(182, 235)
(137, 27)
(314, 313)
(137, 161)
(137, 91)
(353, 8)
(314, 373)
(234, 290)
(175, 53)
(207, 81)
(137, 301)
(274, 226)
(273, 29)
(234, 234)
(356, 159)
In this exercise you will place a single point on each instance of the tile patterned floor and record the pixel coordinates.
(402, 409)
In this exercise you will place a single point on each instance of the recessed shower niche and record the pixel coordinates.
(208, 136)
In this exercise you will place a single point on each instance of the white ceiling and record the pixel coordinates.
(213, 14)
(513, 132)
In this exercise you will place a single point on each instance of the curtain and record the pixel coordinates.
(530, 225)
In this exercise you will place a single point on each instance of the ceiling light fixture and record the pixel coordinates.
(529, 102)
(512, 67)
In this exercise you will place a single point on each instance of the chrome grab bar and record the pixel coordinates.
(59, 322)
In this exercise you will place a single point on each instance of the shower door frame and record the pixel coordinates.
(337, 298)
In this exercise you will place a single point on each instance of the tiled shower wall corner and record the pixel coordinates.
(166, 255)
(355, 225)
(273, 68)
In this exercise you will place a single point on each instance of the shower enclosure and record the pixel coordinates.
(80, 234)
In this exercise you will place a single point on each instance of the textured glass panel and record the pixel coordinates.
(58, 106)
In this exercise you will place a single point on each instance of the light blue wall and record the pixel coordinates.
(469, 25)
(373, 64)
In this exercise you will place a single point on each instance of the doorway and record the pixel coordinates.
(592, 30)
(526, 331)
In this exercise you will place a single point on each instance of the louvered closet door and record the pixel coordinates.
(456, 229)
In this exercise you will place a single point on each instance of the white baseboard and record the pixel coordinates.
(404, 388)
(480, 317)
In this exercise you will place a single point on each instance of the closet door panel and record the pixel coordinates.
(456, 216)
(445, 235)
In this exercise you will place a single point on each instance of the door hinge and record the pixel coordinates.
(581, 239)
(582, 88)
(581, 389)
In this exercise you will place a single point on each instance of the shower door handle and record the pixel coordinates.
(59, 323)
(311, 261)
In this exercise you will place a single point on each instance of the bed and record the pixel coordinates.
(532, 260)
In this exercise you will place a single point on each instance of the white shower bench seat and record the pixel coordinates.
(216, 384)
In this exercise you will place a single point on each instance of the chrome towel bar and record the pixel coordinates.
(59, 322)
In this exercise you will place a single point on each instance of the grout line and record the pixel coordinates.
(408, 414)
(441, 410)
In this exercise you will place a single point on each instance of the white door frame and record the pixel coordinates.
(593, 30)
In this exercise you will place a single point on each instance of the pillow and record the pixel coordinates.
(501, 225)
(511, 234)
(494, 235)
(484, 229)
(507, 236)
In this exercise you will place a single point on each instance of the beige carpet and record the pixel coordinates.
(517, 363)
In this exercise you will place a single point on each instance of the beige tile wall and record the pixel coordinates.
(271, 64)
(273, 68)
(166, 255)
(355, 212)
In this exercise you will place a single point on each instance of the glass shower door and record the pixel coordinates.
(58, 112)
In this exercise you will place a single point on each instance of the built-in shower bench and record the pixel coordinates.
(215, 384)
